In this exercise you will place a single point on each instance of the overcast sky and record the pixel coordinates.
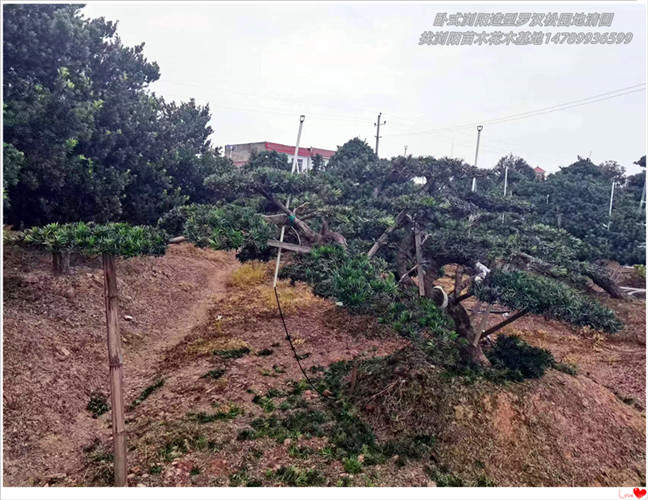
(259, 66)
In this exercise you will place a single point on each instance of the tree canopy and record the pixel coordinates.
(84, 138)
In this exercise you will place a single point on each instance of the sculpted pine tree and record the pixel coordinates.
(413, 217)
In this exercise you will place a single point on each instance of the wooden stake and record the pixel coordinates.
(116, 372)
(419, 261)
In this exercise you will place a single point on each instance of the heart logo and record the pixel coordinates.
(639, 493)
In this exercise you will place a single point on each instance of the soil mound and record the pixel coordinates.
(560, 430)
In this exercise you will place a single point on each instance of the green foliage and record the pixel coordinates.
(115, 239)
(537, 294)
(146, 393)
(83, 135)
(228, 228)
(232, 353)
(360, 284)
(640, 270)
(352, 465)
(520, 359)
(214, 374)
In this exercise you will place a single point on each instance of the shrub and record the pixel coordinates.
(360, 284)
(520, 359)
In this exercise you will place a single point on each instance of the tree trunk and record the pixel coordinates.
(472, 351)
(401, 259)
(116, 370)
(61, 262)
(606, 283)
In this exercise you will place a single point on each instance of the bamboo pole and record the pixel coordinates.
(116, 371)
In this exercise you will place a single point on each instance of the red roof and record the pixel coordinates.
(282, 148)
(539, 170)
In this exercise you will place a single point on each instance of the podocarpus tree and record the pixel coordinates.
(418, 215)
(109, 241)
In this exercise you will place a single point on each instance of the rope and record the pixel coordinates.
(292, 346)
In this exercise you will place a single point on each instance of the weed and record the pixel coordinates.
(98, 404)
(194, 471)
(295, 477)
(154, 470)
(299, 451)
(568, 368)
(278, 369)
(485, 482)
(352, 465)
(246, 435)
(265, 352)
(215, 374)
(232, 353)
(146, 393)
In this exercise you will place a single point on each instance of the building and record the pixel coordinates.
(539, 173)
(240, 153)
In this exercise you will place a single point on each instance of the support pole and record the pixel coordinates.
(283, 228)
(116, 370)
(420, 274)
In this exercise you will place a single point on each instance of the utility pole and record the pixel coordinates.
(405, 151)
(378, 124)
(292, 171)
(643, 197)
(479, 129)
(611, 200)
(505, 180)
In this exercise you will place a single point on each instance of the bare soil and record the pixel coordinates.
(190, 321)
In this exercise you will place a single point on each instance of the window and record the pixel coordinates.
(300, 163)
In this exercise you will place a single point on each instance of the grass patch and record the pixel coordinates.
(204, 418)
(98, 404)
(248, 275)
(265, 352)
(293, 476)
(146, 393)
(568, 368)
(232, 353)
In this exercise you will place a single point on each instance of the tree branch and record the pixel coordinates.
(401, 219)
(507, 321)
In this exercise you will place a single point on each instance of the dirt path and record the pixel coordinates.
(55, 347)
(143, 363)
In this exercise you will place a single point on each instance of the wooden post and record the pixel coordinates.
(116, 372)
(419, 261)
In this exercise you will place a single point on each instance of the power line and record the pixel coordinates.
(536, 112)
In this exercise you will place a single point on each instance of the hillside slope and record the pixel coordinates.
(217, 399)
